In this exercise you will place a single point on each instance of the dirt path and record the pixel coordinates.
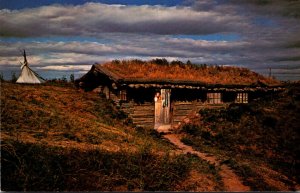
(230, 179)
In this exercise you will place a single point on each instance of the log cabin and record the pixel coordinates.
(156, 94)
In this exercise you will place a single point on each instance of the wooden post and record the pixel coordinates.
(25, 59)
(157, 111)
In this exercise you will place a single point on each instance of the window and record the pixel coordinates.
(123, 96)
(242, 98)
(214, 98)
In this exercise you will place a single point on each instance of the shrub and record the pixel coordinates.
(270, 121)
(160, 61)
(1, 77)
(206, 135)
(187, 141)
(64, 78)
(14, 77)
(191, 129)
(155, 134)
(235, 111)
(72, 78)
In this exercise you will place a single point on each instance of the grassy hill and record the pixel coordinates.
(260, 140)
(58, 138)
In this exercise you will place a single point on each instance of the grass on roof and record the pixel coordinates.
(161, 69)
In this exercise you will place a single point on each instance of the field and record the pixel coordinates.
(59, 138)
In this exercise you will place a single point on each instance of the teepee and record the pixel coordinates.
(27, 75)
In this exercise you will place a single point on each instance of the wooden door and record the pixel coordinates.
(162, 107)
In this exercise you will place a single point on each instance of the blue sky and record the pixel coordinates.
(63, 37)
(21, 4)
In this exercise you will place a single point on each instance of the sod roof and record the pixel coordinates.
(140, 71)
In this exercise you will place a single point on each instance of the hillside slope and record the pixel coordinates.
(64, 116)
(260, 140)
(57, 138)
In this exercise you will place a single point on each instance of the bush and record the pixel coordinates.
(155, 134)
(191, 129)
(160, 61)
(1, 77)
(235, 111)
(187, 141)
(72, 78)
(14, 77)
(270, 121)
(206, 135)
(64, 78)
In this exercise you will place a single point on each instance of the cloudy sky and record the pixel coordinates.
(68, 36)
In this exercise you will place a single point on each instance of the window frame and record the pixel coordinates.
(214, 98)
(123, 95)
(242, 97)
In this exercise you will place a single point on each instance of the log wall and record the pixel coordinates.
(141, 114)
(182, 110)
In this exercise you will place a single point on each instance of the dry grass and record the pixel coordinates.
(58, 138)
(255, 138)
(36, 167)
(135, 69)
(66, 117)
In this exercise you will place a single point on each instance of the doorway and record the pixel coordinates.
(162, 108)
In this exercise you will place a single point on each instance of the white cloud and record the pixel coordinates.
(251, 54)
(66, 67)
(146, 32)
(91, 19)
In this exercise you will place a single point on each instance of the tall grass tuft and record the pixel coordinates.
(36, 167)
